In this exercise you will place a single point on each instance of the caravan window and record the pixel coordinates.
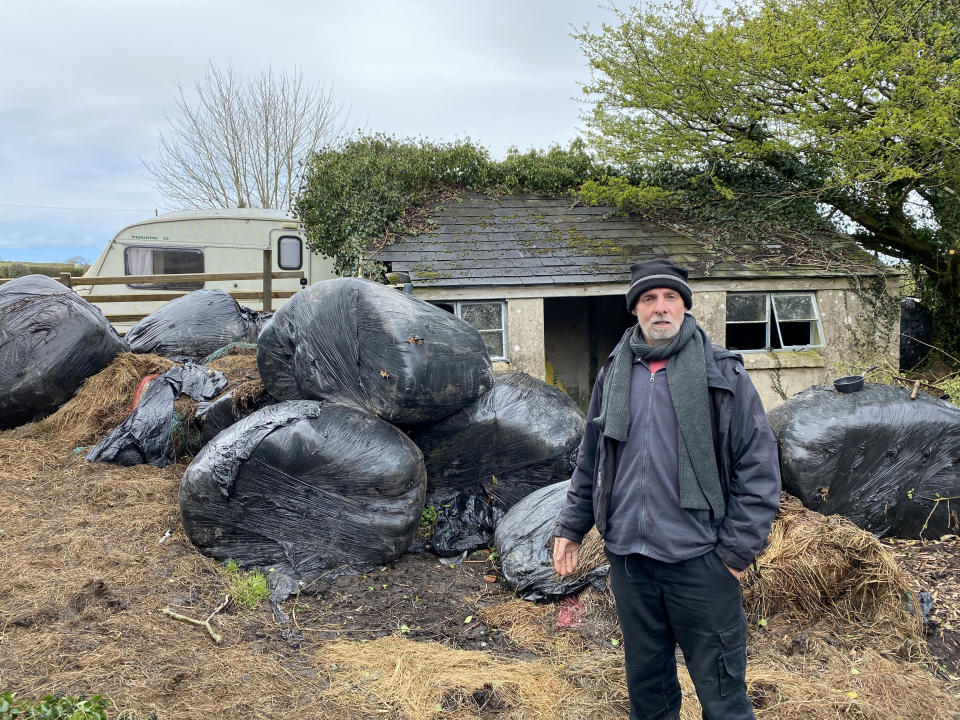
(145, 260)
(290, 252)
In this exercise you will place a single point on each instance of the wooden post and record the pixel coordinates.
(267, 280)
(65, 279)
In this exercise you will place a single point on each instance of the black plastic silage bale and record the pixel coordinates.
(365, 344)
(524, 538)
(874, 456)
(305, 489)
(517, 437)
(51, 340)
(191, 327)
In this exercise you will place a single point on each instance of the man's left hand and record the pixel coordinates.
(735, 573)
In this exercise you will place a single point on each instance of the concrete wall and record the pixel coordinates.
(574, 333)
(524, 338)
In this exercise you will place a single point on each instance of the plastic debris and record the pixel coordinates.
(51, 340)
(146, 436)
(516, 438)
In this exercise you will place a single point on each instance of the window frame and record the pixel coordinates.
(186, 286)
(299, 240)
(816, 331)
(457, 306)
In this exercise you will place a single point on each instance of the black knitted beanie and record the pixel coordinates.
(657, 274)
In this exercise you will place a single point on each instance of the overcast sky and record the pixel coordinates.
(84, 85)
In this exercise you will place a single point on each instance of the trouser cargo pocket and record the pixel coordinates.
(732, 663)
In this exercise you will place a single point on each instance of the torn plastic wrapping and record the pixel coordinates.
(874, 456)
(524, 539)
(195, 325)
(51, 340)
(305, 490)
(146, 436)
(361, 343)
(517, 437)
(221, 413)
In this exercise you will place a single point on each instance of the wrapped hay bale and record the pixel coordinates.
(361, 343)
(875, 456)
(230, 408)
(51, 340)
(517, 437)
(193, 326)
(306, 489)
(524, 538)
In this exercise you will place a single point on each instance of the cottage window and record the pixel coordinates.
(147, 260)
(290, 252)
(487, 318)
(773, 321)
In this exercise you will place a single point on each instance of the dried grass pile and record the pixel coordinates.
(92, 577)
(427, 681)
(105, 400)
(591, 555)
(820, 568)
(531, 627)
(827, 682)
(101, 403)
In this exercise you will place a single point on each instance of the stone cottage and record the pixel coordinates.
(543, 280)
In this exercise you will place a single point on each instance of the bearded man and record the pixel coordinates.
(678, 469)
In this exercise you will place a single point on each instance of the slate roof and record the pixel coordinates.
(480, 240)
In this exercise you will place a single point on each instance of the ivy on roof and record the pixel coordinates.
(370, 189)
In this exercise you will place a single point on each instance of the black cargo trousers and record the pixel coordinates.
(696, 603)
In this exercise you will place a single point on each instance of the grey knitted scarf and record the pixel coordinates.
(700, 487)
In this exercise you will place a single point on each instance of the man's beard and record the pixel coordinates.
(659, 334)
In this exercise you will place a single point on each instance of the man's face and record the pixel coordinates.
(660, 313)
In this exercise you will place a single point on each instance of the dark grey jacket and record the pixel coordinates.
(746, 458)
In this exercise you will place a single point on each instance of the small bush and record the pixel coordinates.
(53, 707)
(17, 269)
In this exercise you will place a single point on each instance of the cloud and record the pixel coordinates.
(82, 106)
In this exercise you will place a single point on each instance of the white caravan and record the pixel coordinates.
(201, 241)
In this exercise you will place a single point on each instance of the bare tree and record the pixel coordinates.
(244, 142)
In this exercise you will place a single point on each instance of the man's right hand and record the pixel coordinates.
(565, 553)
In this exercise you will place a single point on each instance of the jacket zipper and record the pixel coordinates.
(643, 462)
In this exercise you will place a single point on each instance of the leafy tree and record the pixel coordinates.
(853, 104)
(244, 143)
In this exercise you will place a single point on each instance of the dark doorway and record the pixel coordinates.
(579, 333)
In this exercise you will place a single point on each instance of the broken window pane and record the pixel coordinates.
(794, 307)
(794, 322)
